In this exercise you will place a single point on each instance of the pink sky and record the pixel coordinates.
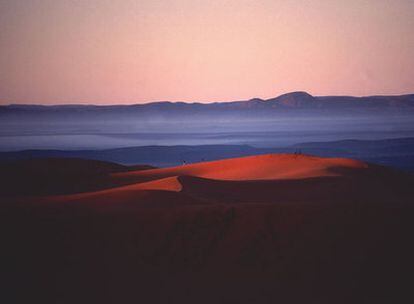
(111, 52)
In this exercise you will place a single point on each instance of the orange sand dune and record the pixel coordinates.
(262, 167)
(240, 179)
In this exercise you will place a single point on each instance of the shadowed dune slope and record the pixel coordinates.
(47, 176)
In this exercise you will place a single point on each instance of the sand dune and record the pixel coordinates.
(262, 229)
(270, 178)
(262, 167)
(243, 178)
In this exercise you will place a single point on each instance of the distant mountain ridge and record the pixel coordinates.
(289, 101)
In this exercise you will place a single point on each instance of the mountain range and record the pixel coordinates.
(290, 101)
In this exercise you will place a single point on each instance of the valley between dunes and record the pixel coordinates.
(261, 229)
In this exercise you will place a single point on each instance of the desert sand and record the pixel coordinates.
(261, 229)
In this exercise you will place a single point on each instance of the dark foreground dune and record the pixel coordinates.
(262, 229)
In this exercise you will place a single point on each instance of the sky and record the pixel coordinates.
(123, 52)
